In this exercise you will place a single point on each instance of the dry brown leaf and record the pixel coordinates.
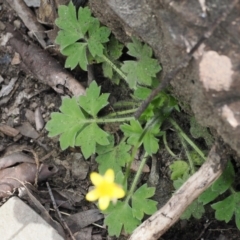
(83, 219)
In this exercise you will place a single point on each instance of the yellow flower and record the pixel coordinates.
(105, 189)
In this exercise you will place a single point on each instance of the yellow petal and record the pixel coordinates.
(92, 195)
(96, 178)
(109, 176)
(103, 203)
(118, 192)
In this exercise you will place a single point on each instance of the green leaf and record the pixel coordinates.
(196, 209)
(197, 160)
(150, 143)
(93, 102)
(141, 204)
(180, 181)
(67, 123)
(89, 137)
(219, 186)
(112, 51)
(208, 196)
(178, 169)
(114, 157)
(76, 55)
(135, 132)
(120, 216)
(97, 36)
(70, 29)
(142, 92)
(74, 127)
(226, 208)
(85, 19)
(144, 68)
(225, 180)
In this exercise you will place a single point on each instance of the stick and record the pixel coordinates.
(29, 19)
(64, 224)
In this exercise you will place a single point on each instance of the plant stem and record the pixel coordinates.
(134, 151)
(136, 178)
(232, 190)
(187, 139)
(190, 161)
(166, 146)
(124, 112)
(123, 104)
(114, 67)
(109, 120)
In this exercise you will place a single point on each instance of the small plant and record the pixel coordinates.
(79, 123)
(84, 41)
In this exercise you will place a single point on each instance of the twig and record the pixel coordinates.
(184, 61)
(64, 224)
(204, 230)
(29, 19)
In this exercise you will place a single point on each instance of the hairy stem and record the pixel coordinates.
(114, 67)
(109, 120)
(166, 146)
(118, 113)
(190, 161)
(136, 178)
(187, 139)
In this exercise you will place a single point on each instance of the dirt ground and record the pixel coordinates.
(26, 102)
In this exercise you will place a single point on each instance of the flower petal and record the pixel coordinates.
(96, 178)
(109, 176)
(103, 203)
(92, 195)
(118, 192)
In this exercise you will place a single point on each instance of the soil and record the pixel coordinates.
(29, 93)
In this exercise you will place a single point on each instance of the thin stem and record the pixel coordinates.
(187, 139)
(124, 112)
(190, 161)
(232, 190)
(166, 146)
(114, 67)
(134, 152)
(136, 178)
(106, 120)
(122, 104)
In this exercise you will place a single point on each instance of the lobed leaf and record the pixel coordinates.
(196, 209)
(178, 169)
(97, 36)
(89, 137)
(76, 55)
(70, 29)
(93, 102)
(144, 69)
(68, 122)
(120, 216)
(141, 204)
(226, 208)
(137, 135)
(74, 127)
(114, 157)
(219, 186)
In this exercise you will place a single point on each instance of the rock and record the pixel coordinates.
(19, 222)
